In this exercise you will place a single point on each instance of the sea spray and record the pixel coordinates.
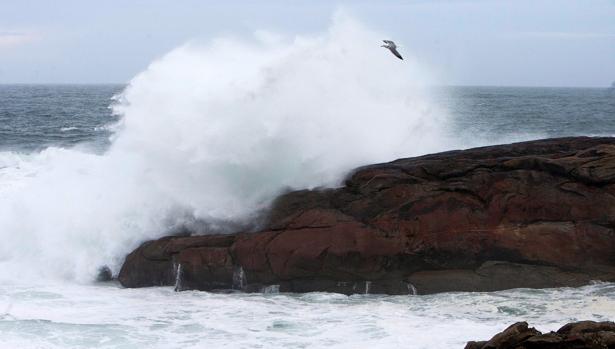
(178, 277)
(239, 278)
(211, 133)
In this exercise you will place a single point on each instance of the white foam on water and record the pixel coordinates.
(85, 316)
(66, 129)
(213, 132)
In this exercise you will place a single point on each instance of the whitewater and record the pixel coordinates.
(203, 140)
(207, 136)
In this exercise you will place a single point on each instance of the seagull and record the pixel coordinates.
(392, 47)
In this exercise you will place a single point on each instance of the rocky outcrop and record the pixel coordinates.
(532, 214)
(577, 335)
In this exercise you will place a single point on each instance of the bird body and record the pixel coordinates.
(392, 47)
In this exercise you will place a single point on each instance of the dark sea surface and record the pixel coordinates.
(33, 117)
(495, 112)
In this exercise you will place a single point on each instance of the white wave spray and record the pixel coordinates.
(213, 132)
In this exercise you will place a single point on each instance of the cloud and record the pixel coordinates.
(565, 35)
(12, 39)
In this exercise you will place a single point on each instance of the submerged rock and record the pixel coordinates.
(577, 335)
(104, 274)
(532, 214)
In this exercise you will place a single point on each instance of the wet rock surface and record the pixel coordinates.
(577, 335)
(532, 214)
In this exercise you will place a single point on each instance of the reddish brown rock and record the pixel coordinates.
(532, 214)
(577, 335)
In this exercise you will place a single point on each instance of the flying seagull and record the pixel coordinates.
(392, 47)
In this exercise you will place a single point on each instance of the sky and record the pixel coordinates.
(464, 42)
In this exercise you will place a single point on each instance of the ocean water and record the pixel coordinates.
(33, 117)
(494, 114)
(208, 134)
(106, 316)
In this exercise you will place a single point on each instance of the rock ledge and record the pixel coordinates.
(532, 214)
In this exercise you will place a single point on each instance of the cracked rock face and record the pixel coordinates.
(533, 214)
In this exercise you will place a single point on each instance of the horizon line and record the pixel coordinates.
(431, 85)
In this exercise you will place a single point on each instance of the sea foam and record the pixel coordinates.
(211, 133)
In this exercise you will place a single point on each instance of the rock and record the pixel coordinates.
(475, 345)
(578, 328)
(511, 337)
(532, 214)
(104, 274)
(578, 335)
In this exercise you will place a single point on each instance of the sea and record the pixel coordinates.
(56, 231)
(34, 117)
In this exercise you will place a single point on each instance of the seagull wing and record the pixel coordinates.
(389, 42)
(394, 51)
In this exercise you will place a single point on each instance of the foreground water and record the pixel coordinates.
(107, 316)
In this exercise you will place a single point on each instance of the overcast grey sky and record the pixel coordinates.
(466, 42)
